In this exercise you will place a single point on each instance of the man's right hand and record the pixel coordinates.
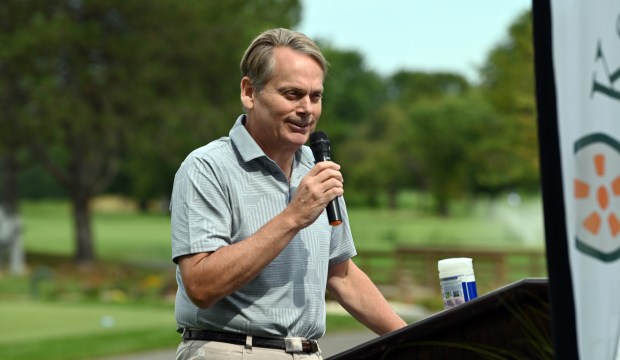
(322, 184)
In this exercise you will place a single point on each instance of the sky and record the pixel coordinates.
(416, 35)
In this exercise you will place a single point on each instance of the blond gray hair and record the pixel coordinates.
(258, 62)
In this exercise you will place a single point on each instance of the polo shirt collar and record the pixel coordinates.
(245, 144)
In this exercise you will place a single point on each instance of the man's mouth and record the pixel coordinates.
(301, 125)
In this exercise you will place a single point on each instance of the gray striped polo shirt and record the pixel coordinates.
(223, 193)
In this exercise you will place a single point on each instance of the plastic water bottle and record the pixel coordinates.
(458, 283)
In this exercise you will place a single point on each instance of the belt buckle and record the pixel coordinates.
(315, 345)
(293, 345)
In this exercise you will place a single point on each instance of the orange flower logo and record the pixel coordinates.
(596, 190)
(582, 190)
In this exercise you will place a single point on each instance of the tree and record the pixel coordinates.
(378, 152)
(352, 94)
(201, 62)
(101, 79)
(452, 144)
(406, 87)
(12, 139)
(508, 85)
(381, 147)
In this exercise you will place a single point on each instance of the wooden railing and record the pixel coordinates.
(409, 272)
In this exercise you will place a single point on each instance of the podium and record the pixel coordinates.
(512, 322)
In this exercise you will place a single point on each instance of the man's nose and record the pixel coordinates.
(304, 104)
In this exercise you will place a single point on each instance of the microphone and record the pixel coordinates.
(319, 143)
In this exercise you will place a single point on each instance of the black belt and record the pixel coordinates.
(291, 345)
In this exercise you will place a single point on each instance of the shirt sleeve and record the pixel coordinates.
(342, 246)
(200, 210)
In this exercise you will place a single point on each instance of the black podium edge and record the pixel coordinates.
(490, 300)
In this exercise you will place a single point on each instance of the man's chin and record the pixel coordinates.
(297, 140)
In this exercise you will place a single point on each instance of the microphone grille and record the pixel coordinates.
(318, 136)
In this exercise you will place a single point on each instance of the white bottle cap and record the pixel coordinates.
(455, 267)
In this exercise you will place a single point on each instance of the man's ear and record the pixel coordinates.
(247, 93)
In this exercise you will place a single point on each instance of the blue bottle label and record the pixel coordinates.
(458, 289)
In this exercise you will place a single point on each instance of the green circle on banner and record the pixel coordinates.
(596, 195)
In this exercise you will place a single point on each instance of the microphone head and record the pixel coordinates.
(318, 137)
(319, 143)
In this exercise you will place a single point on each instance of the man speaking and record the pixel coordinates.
(254, 249)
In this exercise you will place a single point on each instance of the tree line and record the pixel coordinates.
(110, 96)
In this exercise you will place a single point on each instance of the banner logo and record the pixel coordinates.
(606, 87)
(597, 196)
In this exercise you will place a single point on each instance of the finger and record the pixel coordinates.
(328, 171)
(324, 165)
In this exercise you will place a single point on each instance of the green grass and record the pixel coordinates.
(338, 323)
(66, 331)
(123, 236)
(480, 223)
(133, 237)
(66, 323)
(36, 330)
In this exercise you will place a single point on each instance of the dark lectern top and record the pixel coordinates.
(512, 322)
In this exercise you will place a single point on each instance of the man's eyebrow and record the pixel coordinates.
(298, 90)
(290, 87)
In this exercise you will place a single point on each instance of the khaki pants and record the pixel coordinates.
(207, 350)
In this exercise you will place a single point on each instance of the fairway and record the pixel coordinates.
(50, 330)
(133, 237)
(65, 331)
(26, 320)
(119, 236)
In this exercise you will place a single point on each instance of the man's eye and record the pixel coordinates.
(293, 95)
(317, 97)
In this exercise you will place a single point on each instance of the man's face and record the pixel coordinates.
(284, 113)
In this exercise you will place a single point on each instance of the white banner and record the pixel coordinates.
(586, 59)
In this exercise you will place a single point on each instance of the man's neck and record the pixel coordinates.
(285, 162)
